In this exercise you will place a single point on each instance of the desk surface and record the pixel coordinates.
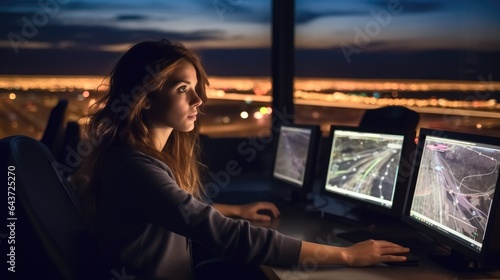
(295, 222)
(313, 228)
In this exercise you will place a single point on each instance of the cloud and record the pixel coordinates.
(309, 11)
(257, 12)
(76, 5)
(35, 5)
(69, 5)
(130, 17)
(19, 4)
(414, 7)
(110, 5)
(304, 16)
(239, 10)
(95, 36)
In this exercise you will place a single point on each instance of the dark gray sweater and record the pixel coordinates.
(144, 218)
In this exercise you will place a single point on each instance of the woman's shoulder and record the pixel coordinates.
(123, 156)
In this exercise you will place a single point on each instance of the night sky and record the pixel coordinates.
(406, 39)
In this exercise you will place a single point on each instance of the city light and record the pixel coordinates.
(91, 102)
(244, 115)
(308, 91)
(253, 96)
(257, 115)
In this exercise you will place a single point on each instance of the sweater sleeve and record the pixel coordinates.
(152, 196)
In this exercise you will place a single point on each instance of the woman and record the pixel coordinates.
(140, 185)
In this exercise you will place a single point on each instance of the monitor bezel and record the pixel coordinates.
(490, 249)
(402, 177)
(306, 186)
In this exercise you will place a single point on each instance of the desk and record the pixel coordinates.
(295, 222)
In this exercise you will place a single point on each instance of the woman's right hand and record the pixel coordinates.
(370, 252)
(364, 253)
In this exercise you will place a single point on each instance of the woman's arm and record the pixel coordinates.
(227, 210)
(360, 254)
(143, 193)
(248, 211)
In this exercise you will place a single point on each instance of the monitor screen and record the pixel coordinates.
(453, 190)
(364, 166)
(293, 154)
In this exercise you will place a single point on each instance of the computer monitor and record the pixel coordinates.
(294, 157)
(363, 167)
(454, 195)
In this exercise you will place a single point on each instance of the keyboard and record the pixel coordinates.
(411, 260)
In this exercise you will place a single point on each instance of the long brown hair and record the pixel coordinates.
(118, 117)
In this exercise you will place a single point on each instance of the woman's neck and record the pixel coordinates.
(160, 137)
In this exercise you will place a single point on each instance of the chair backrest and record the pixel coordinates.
(53, 134)
(393, 117)
(50, 206)
(72, 137)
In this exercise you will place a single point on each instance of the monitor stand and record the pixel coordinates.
(370, 215)
(290, 194)
(361, 216)
(366, 222)
(350, 220)
(352, 217)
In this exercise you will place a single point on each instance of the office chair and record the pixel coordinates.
(53, 133)
(50, 211)
(394, 117)
(71, 138)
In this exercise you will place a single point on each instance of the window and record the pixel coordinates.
(436, 57)
(65, 49)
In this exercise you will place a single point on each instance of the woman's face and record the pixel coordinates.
(176, 105)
